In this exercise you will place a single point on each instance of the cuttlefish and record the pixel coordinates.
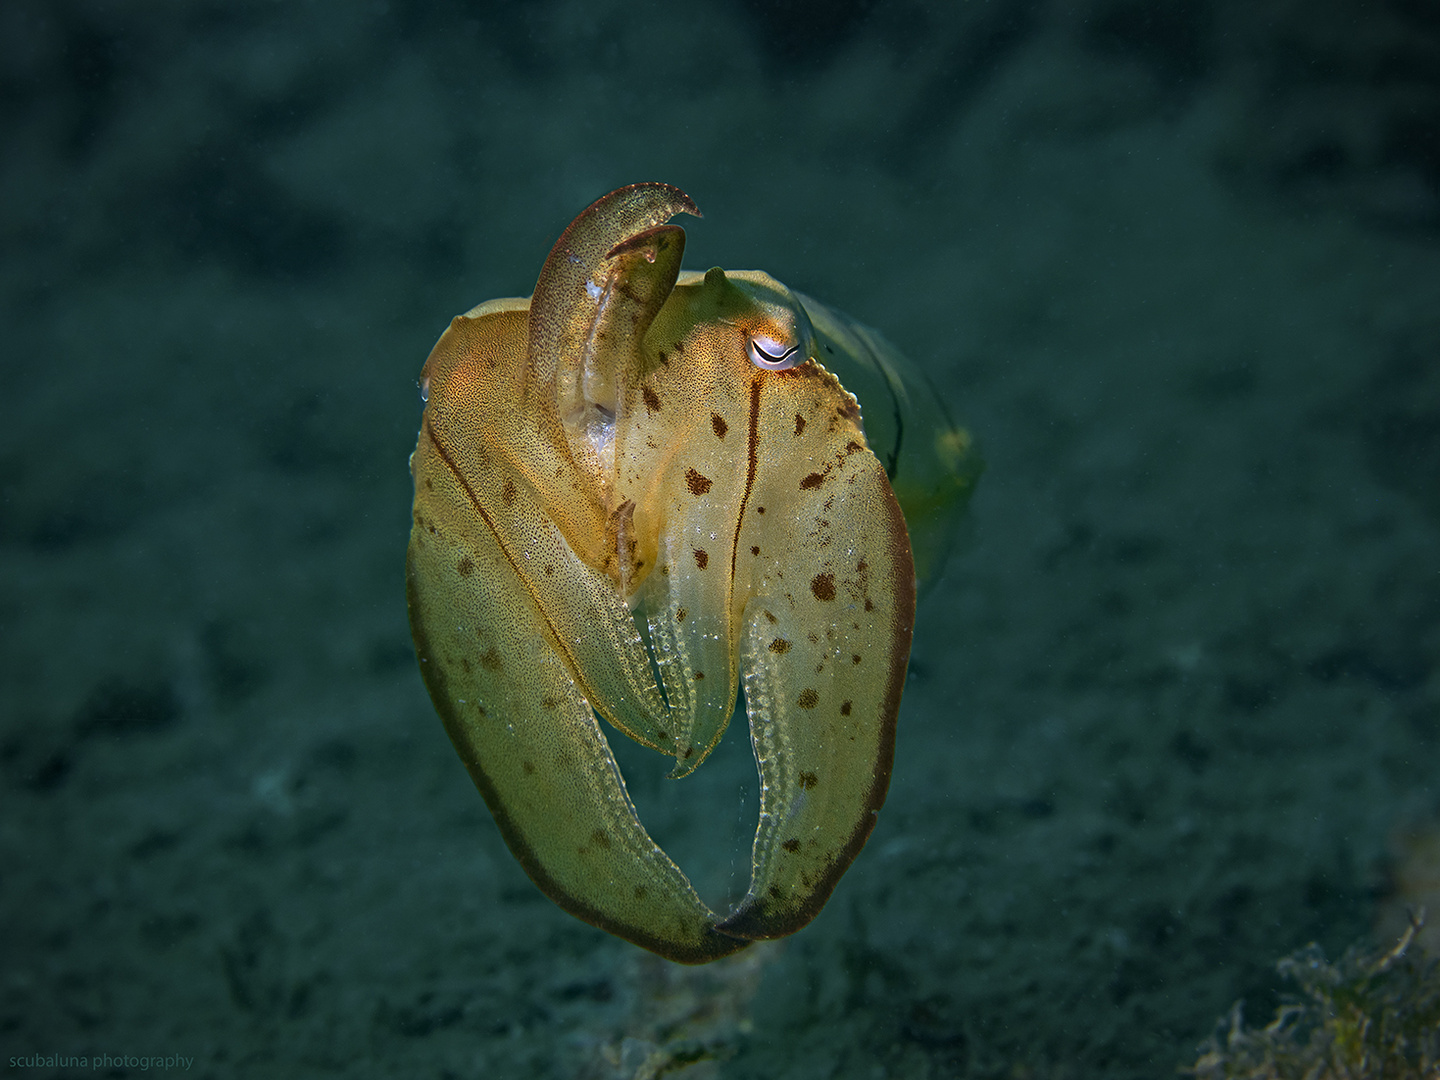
(636, 491)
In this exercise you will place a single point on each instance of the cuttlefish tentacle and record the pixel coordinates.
(567, 295)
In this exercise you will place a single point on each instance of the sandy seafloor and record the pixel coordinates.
(1176, 266)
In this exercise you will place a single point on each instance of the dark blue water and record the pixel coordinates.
(1171, 711)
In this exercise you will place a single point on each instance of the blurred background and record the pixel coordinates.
(1174, 710)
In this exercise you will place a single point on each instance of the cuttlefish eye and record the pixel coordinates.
(766, 352)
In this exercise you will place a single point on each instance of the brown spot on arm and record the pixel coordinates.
(717, 422)
(652, 399)
(808, 698)
(823, 586)
(507, 493)
(697, 484)
(702, 558)
(799, 424)
(813, 480)
(465, 566)
(780, 645)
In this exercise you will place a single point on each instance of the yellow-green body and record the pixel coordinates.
(616, 478)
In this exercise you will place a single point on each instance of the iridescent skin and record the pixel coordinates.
(640, 471)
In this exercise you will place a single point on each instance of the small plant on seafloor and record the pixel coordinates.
(1371, 1016)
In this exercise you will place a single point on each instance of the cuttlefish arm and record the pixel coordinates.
(784, 554)
(508, 625)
